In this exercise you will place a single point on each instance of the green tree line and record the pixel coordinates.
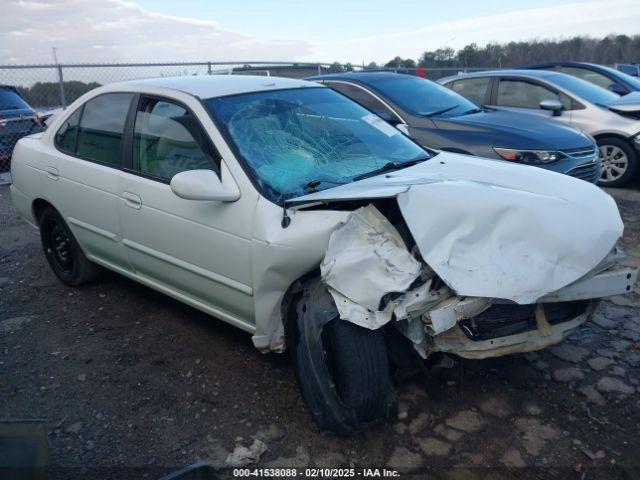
(47, 94)
(608, 50)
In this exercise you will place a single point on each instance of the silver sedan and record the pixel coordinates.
(612, 120)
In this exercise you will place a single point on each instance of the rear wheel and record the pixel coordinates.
(618, 162)
(342, 368)
(62, 251)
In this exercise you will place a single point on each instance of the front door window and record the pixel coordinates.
(168, 140)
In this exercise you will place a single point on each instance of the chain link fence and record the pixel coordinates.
(31, 93)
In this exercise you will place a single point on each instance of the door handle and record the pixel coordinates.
(52, 172)
(132, 200)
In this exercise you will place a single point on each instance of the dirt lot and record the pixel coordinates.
(134, 385)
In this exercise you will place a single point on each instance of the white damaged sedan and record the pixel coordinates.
(291, 212)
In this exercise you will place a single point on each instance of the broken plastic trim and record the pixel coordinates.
(367, 259)
(545, 335)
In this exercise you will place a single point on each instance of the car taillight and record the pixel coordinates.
(37, 119)
(3, 121)
(421, 72)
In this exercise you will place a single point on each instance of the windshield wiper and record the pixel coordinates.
(309, 187)
(473, 110)
(439, 112)
(387, 167)
(313, 185)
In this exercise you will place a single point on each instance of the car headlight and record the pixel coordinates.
(534, 157)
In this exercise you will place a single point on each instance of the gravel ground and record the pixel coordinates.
(135, 385)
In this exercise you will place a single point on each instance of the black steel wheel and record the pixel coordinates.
(62, 251)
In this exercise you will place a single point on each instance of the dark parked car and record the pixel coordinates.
(17, 119)
(628, 68)
(439, 118)
(615, 80)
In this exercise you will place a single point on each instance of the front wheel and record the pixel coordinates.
(618, 162)
(342, 368)
(64, 255)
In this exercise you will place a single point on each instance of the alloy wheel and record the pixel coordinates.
(614, 163)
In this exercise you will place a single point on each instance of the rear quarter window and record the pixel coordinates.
(364, 98)
(66, 135)
(475, 89)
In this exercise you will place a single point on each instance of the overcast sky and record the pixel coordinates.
(356, 31)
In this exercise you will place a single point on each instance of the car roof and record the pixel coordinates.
(362, 77)
(208, 86)
(510, 72)
(566, 63)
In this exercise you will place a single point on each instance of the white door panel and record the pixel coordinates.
(87, 196)
(199, 248)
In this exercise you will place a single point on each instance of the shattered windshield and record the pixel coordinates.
(308, 139)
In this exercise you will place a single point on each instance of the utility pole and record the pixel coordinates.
(63, 97)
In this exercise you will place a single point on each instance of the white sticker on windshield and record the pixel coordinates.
(380, 124)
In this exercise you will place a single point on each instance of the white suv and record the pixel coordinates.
(286, 209)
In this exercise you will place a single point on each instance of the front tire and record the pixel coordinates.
(359, 366)
(64, 255)
(342, 368)
(618, 162)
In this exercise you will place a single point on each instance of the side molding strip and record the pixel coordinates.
(229, 282)
(93, 229)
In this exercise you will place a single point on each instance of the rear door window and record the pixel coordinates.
(102, 126)
(475, 89)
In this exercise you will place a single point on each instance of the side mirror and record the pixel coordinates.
(203, 185)
(617, 89)
(554, 105)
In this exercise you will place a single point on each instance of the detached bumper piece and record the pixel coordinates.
(506, 328)
(544, 334)
(510, 319)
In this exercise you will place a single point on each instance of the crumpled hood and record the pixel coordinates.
(496, 229)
